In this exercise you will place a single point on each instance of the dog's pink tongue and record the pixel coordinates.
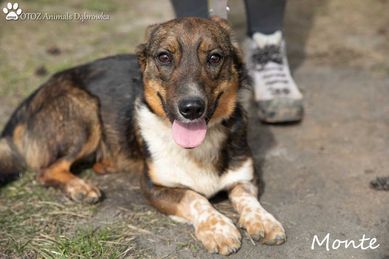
(189, 135)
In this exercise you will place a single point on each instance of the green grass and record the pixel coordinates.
(107, 242)
(36, 221)
(100, 6)
(39, 222)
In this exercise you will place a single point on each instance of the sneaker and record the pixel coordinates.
(278, 98)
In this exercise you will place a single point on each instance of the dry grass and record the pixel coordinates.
(40, 222)
(36, 221)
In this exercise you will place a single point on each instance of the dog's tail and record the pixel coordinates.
(11, 164)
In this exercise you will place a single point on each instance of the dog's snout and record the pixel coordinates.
(191, 108)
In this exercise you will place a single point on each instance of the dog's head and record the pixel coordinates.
(191, 74)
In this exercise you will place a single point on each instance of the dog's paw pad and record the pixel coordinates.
(263, 226)
(219, 235)
(80, 191)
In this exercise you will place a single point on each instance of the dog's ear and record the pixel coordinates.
(237, 53)
(222, 23)
(141, 50)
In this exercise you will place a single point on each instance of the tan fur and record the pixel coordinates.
(81, 98)
(18, 135)
(59, 175)
(152, 88)
(29, 148)
(114, 160)
(34, 155)
(104, 167)
(227, 101)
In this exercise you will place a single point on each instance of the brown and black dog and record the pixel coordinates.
(174, 110)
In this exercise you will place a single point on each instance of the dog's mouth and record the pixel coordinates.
(189, 134)
(189, 130)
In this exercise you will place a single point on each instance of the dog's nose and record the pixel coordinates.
(192, 108)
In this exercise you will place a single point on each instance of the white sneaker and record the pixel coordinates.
(276, 93)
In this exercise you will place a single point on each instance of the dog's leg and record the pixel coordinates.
(213, 229)
(59, 175)
(259, 223)
(104, 167)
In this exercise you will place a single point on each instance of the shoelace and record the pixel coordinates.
(262, 56)
(274, 75)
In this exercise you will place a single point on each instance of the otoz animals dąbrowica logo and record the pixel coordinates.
(12, 11)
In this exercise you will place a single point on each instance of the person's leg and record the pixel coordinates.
(264, 16)
(197, 8)
(276, 93)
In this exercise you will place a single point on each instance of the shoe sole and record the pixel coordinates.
(281, 110)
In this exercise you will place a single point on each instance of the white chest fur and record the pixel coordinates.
(174, 166)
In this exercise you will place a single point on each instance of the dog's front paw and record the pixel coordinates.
(218, 234)
(80, 191)
(261, 225)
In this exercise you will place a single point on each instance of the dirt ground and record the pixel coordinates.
(316, 173)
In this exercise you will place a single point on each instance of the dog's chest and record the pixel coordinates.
(173, 166)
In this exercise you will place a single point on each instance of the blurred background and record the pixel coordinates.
(317, 173)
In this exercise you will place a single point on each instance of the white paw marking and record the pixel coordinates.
(218, 234)
(259, 223)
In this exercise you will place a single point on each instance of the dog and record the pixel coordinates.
(173, 111)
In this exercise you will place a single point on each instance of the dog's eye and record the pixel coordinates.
(215, 59)
(165, 58)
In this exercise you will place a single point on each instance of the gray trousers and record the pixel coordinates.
(264, 16)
